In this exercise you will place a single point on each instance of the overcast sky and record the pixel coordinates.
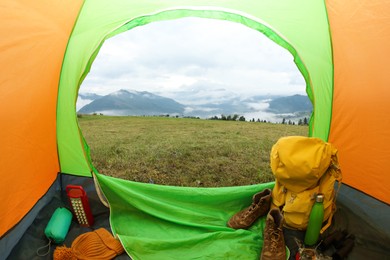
(192, 55)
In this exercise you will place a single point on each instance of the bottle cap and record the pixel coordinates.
(320, 197)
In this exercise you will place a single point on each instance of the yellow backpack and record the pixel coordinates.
(304, 167)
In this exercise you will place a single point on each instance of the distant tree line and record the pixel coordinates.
(259, 120)
(234, 117)
(301, 121)
(237, 117)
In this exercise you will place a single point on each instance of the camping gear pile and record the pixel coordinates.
(341, 48)
(305, 169)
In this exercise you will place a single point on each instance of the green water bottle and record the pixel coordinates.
(315, 221)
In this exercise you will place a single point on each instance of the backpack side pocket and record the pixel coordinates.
(298, 206)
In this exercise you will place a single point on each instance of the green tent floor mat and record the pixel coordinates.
(169, 222)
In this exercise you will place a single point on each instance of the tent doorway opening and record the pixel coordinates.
(191, 102)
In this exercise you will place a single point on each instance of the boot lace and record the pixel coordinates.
(250, 210)
(273, 236)
(253, 207)
(275, 240)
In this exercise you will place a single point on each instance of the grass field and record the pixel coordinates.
(183, 152)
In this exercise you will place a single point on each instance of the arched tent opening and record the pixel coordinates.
(45, 54)
(68, 137)
(169, 161)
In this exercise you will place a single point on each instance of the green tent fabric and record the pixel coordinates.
(169, 222)
(168, 207)
(99, 21)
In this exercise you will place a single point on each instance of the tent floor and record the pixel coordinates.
(34, 238)
(371, 242)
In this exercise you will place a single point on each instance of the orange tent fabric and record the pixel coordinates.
(32, 48)
(360, 121)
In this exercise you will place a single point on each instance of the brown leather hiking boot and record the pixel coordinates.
(259, 207)
(274, 247)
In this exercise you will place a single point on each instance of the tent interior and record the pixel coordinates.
(46, 53)
(367, 224)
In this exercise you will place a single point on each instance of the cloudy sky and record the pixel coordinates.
(191, 57)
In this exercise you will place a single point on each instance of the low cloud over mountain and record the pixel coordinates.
(267, 107)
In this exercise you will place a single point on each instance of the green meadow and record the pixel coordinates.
(182, 151)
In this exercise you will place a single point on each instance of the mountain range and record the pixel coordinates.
(130, 102)
(126, 102)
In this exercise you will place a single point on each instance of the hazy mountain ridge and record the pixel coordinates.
(129, 102)
(89, 96)
(125, 102)
(295, 103)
